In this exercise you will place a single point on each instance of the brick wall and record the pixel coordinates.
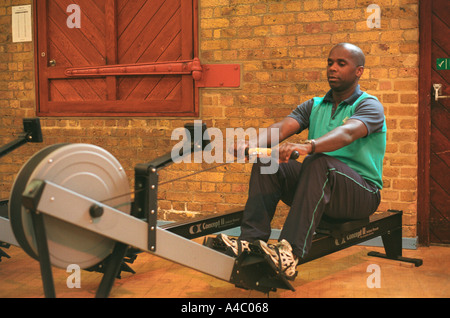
(282, 47)
(16, 93)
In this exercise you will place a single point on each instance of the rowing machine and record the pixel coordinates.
(70, 205)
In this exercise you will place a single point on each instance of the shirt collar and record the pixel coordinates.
(356, 94)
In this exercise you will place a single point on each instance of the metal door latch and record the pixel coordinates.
(437, 91)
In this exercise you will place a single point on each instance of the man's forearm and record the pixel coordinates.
(340, 137)
(277, 132)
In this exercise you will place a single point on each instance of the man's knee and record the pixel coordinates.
(317, 159)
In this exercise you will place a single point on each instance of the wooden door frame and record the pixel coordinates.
(424, 122)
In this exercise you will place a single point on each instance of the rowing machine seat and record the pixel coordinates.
(335, 227)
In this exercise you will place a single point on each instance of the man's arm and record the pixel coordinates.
(286, 128)
(337, 138)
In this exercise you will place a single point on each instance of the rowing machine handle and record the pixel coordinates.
(267, 152)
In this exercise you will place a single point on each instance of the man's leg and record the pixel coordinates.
(265, 191)
(326, 186)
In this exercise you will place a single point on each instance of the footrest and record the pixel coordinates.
(254, 270)
(257, 272)
(217, 245)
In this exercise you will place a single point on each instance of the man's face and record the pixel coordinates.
(342, 71)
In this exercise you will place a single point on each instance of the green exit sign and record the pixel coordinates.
(443, 64)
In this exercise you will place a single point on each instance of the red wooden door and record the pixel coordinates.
(434, 124)
(440, 127)
(114, 32)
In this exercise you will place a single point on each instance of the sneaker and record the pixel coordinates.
(281, 255)
(236, 246)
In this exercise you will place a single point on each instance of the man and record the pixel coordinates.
(341, 176)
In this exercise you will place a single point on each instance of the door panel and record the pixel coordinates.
(163, 18)
(114, 32)
(439, 222)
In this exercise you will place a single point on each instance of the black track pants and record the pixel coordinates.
(320, 185)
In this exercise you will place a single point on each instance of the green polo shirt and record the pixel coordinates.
(364, 155)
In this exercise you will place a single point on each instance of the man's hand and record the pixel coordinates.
(285, 150)
(285, 128)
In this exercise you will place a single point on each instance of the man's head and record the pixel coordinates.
(345, 65)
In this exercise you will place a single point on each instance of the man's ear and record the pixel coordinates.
(359, 71)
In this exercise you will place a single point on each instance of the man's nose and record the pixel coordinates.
(332, 67)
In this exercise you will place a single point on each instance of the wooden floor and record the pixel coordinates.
(340, 275)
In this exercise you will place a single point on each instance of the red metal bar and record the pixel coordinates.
(177, 67)
(208, 75)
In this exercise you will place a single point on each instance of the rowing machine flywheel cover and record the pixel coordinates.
(85, 169)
